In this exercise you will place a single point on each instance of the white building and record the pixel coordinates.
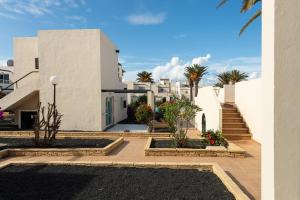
(6, 73)
(181, 90)
(86, 64)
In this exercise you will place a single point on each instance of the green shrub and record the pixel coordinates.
(144, 114)
(215, 138)
(178, 115)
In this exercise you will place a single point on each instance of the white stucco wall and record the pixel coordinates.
(211, 107)
(248, 98)
(287, 99)
(74, 56)
(109, 64)
(229, 93)
(25, 52)
(281, 97)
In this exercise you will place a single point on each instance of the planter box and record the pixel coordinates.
(212, 167)
(210, 151)
(65, 151)
(85, 134)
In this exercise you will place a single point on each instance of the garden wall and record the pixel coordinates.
(211, 108)
(248, 98)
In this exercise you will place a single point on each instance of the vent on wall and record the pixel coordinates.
(36, 61)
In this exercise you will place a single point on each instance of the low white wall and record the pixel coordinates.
(248, 98)
(208, 101)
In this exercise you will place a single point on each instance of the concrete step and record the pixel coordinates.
(230, 110)
(234, 125)
(233, 120)
(226, 105)
(237, 136)
(235, 131)
(231, 115)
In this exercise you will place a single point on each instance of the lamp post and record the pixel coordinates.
(54, 81)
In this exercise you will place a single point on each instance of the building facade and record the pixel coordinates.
(85, 62)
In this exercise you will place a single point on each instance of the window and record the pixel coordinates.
(4, 78)
(37, 64)
(123, 102)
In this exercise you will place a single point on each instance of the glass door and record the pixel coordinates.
(109, 111)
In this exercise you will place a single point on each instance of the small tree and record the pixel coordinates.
(144, 114)
(177, 114)
(48, 124)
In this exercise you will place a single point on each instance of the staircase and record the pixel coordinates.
(233, 125)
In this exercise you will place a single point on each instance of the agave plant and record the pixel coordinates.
(246, 6)
(144, 77)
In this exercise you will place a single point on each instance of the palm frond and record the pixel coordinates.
(221, 3)
(255, 16)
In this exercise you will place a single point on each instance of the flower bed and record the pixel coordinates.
(61, 147)
(197, 148)
(105, 180)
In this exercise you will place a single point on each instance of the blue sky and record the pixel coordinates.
(161, 36)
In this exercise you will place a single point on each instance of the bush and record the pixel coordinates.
(177, 114)
(215, 138)
(144, 114)
(132, 107)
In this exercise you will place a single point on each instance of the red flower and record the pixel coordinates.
(212, 142)
(208, 136)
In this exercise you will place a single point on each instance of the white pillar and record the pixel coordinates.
(229, 93)
(150, 99)
(281, 100)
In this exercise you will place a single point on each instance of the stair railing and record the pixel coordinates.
(16, 82)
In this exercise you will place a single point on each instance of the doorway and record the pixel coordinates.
(109, 111)
(27, 119)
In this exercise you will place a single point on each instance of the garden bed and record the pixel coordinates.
(197, 148)
(61, 147)
(85, 134)
(109, 182)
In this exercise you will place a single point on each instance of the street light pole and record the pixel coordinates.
(54, 96)
(54, 82)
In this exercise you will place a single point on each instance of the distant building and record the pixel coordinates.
(6, 74)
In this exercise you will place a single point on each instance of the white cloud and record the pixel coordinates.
(37, 7)
(201, 60)
(146, 18)
(76, 18)
(175, 68)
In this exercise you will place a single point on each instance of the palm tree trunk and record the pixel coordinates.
(196, 88)
(191, 93)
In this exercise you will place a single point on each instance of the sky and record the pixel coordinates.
(159, 36)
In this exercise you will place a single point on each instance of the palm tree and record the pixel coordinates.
(194, 74)
(188, 76)
(198, 72)
(223, 79)
(232, 77)
(237, 76)
(246, 6)
(144, 77)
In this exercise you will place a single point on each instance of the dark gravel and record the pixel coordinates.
(59, 143)
(86, 182)
(193, 144)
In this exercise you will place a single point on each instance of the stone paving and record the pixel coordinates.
(246, 172)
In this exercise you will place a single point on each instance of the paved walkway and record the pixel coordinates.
(244, 171)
